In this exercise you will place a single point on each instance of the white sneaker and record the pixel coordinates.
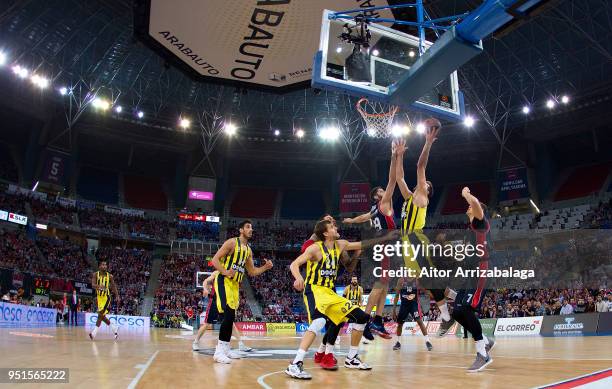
(221, 358)
(355, 363)
(232, 355)
(244, 348)
(297, 371)
(195, 346)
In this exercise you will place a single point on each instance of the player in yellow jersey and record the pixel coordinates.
(103, 282)
(233, 259)
(414, 209)
(322, 261)
(354, 292)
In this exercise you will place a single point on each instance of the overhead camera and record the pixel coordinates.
(359, 38)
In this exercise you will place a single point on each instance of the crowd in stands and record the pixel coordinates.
(67, 259)
(131, 269)
(94, 219)
(600, 217)
(18, 252)
(51, 212)
(206, 232)
(151, 228)
(13, 202)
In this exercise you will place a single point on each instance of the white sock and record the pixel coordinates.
(397, 337)
(329, 349)
(486, 340)
(426, 338)
(94, 332)
(480, 347)
(222, 347)
(114, 328)
(321, 348)
(444, 315)
(353, 352)
(299, 357)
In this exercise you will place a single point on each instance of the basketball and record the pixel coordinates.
(240, 194)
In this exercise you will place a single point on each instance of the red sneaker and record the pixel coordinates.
(318, 357)
(329, 362)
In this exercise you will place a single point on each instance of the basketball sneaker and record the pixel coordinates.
(444, 327)
(397, 346)
(232, 354)
(244, 348)
(479, 363)
(297, 371)
(367, 333)
(91, 336)
(356, 363)
(318, 357)
(380, 331)
(329, 362)
(195, 346)
(489, 346)
(220, 357)
(429, 346)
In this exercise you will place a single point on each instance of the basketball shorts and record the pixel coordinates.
(212, 314)
(322, 301)
(104, 304)
(473, 293)
(227, 293)
(416, 259)
(409, 309)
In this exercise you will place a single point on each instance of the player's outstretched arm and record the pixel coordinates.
(400, 149)
(224, 250)
(477, 210)
(433, 128)
(358, 219)
(385, 202)
(345, 245)
(255, 271)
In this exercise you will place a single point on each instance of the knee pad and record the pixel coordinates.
(358, 327)
(317, 325)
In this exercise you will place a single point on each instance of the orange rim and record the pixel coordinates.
(392, 111)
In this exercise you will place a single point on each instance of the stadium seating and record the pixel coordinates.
(302, 204)
(98, 185)
(454, 202)
(253, 203)
(66, 258)
(583, 181)
(144, 193)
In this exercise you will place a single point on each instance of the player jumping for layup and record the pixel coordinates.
(381, 216)
(232, 260)
(102, 282)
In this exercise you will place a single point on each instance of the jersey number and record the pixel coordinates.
(376, 223)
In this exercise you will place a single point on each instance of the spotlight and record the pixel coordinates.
(411, 54)
(63, 90)
(20, 72)
(375, 52)
(550, 103)
(399, 130)
(102, 104)
(371, 132)
(299, 133)
(468, 121)
(330, 133)
(140, 114)
(526, 109)
(420, 128)
(230, 128)
(565, 99)
(118, 109)
(39, 81)
(2, 58)
(276, 132)
(184, 123)
(338, 49)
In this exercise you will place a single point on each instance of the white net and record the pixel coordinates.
(377, 117)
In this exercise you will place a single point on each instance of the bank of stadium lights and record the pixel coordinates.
(420, 128)
(2, 58)
(40, 81)
(300, 133)
(565, 99)
(118, 109)
(184, 123)
(101, 104)
(330, 133)
(230, 128)
(276, 132)
(375, 52)
(399, 130)
(469, 121)
(140, 114)
(526, 109)
(21, 72)
(63, 91)
(550, 104)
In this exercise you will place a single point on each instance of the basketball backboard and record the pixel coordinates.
(374, 72)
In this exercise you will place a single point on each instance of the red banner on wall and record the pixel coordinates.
(54, 166)
(354, 197)
(251, 326)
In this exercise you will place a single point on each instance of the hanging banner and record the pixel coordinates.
(354, 197)
(512, 184)
(53, 168)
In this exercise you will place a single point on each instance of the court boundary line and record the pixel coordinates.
(528, 357)
(136, 379)
(573, 379)
(262, 383)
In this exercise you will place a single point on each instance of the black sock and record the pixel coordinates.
(378, 320)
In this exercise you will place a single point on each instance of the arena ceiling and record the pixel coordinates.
(99, 45)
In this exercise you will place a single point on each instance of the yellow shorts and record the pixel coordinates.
(227, 293)
(413, 260)
(324, 301)
(104, 304)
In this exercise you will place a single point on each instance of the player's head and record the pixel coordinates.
(329, 218)
(102, 265)
(354, 280)
(246, 229)
(325, 229)
(376, 194)
(430, 189)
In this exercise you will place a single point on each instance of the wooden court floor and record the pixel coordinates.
(163, 359)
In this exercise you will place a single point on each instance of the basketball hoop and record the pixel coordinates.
(377, 118)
